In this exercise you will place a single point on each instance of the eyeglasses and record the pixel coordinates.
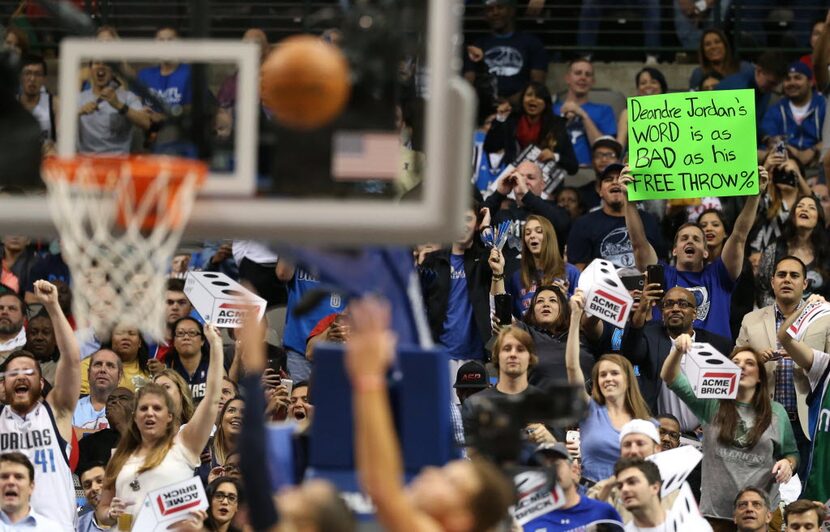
(222, 496)
(682, 303)
(671, 434)
(18, 372)
(188, 334)
(604, 155)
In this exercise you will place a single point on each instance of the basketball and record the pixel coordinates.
(305, 82)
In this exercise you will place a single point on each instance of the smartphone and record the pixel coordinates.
(274, 364)
(655, 274)
(504, 311)
(633, 282)
(780, 148)
(289, 385)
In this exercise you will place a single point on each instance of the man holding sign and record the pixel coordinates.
(712, 284)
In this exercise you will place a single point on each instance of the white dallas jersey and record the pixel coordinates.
(37, 436)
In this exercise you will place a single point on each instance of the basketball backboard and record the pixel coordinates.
(330, 186)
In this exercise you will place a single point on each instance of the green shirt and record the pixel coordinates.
(729, 468)
(817, 486)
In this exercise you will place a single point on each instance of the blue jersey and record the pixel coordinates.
(174, 89)
(712, 288)
(297, 328)
(587, 512)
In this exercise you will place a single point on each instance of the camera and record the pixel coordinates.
(784, 176)
(496, 426)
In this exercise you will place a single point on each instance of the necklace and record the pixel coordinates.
(135, 485)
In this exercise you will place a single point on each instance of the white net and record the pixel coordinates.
(118, 239)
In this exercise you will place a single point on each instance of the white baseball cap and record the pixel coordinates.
(640, 426)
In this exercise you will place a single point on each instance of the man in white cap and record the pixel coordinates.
(639, 438)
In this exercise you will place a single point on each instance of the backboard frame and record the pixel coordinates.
(436, 217)
(245, 56)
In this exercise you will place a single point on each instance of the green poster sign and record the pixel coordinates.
(692, 145)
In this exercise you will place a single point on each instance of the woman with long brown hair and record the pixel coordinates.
(541, 264)
(615, 400)
(716, 56)
(749, 439)
(154, 453)
(174, 384)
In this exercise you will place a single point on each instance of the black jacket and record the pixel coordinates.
(435, 279)
(649, 347)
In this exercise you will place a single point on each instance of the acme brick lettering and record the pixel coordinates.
(605, 307)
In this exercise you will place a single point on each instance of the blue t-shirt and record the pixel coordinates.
(599, 235)
(522, 296)
(483, 173)
(460, 337)
(510, 58)
(603, 117)
(297, 328)
(173, 89)
(587, 512)
(712, 289)
(600, 443)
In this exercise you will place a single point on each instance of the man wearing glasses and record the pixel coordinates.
(42, 429)
(647, 347)
(34, 97)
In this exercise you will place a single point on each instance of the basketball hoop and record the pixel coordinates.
(120, 220)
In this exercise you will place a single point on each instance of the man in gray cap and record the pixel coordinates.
(578, 511)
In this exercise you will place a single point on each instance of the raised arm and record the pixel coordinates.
(733, 249)
(801, 353)
(196, 433)
(671, 367)
(64, 396)
(369, 352)
(575, 375)
(644, 253)
(496, 262)
(252, 439)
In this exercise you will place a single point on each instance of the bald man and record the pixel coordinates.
(647, 347)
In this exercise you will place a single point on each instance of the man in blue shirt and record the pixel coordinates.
(457, 295)
(587, 121)
(768, 72)
(711, 283)
(797, 118)
(513, 58)
(17, 481)
(170, 80)
(578, 511)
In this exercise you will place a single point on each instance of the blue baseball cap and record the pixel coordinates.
(800, 68)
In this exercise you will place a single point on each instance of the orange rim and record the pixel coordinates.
(143, 168)
(107, 172)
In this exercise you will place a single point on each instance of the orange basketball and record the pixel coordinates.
(305, 82)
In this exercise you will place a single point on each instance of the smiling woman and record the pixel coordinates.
(154, 453)
(227, 433)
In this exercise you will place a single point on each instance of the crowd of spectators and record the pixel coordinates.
(115, 415)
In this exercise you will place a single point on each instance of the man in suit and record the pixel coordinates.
(647, 347)
(787, 382)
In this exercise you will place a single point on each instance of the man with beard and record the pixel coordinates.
(602, 234)
(98, 447)
(40, 341)
(711, 283)
(12, 334)
(647, 347)
(91, 476)
(107, 113)
(42, 429)
(752, 511)
(105, 371)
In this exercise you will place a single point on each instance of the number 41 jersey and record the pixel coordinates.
(37, 436)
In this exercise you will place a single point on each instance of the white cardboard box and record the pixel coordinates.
(605, 296)
(711, 374)
(220, 300)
